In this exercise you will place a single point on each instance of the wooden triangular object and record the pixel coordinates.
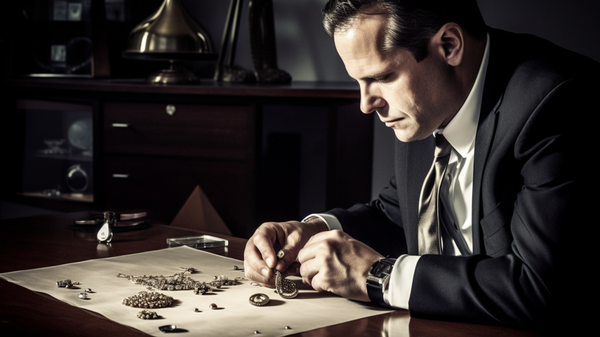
(199, 214)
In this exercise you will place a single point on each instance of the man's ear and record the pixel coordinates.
(450, 42)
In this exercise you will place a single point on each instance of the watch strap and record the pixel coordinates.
(378, 278)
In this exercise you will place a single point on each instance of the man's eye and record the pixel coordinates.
(382, 78)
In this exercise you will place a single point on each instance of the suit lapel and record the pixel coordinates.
(412, 160)
(498, 74)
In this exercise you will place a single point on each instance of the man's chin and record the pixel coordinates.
(408, 136)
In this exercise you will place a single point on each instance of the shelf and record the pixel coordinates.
(296, 89)
(69, 157)
(88, 198)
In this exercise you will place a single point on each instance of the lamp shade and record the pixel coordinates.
(171, 29)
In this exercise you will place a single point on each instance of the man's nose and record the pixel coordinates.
(370, 100)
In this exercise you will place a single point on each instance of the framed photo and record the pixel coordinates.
(62, 38)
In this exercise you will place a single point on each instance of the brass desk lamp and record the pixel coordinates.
(170, 34)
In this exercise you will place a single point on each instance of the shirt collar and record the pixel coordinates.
(461, 130)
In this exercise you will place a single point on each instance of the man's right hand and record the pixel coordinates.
(260, 255)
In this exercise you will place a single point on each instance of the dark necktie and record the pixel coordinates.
(429, 204)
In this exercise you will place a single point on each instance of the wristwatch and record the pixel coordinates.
(378, 279)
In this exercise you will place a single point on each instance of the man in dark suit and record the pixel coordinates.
(515, 208)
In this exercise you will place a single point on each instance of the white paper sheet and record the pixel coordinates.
(235, 316)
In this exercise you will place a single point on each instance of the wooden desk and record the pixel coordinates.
(46, 241)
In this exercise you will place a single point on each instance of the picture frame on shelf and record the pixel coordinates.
(61, 38)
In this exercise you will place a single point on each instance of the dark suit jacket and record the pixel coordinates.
(537, 115)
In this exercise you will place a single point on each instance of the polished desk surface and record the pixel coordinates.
(41, 241)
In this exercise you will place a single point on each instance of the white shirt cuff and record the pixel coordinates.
(398, 292)
(331, 221)
(399, 288)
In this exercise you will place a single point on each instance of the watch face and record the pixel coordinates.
(382, 268)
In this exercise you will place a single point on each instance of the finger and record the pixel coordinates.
(286, 257)
(264, 241)
(318, 238)
(286, 248)
(309, 251)
(308, 270)
(255, 268)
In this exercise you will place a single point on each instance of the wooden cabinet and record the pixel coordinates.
(172, 129)
(156, 153)
(154, 144)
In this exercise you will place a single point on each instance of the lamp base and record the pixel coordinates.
(173, 75)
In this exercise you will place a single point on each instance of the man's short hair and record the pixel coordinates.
(411, 23)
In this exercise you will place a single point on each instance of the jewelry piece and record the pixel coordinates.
(256, 332)
(148, 300)
(190, 270)
(105, 233)
(213, 306)
(88, 290)
(285, 288)
(168, 328)
(147, 314)
(259, 299)
(66, 284)
(197, 310)
(201, 288)
(287, 327)
(83, 296)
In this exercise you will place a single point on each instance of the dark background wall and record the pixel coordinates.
(307, 52)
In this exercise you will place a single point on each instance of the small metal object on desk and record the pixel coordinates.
(190, 270)
(213, 306)
(168, 328)
(83, 296)
(280, 254)
(64, 284)
(105, 233)
(259, 299)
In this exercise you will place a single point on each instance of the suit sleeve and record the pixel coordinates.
(377, 223)
(536, 177)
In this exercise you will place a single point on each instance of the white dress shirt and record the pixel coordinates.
(458, 187)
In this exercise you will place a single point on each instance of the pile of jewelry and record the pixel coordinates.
(202, 288)
(181, 281)
(147, 314)
(148, 300)
(177, 281)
